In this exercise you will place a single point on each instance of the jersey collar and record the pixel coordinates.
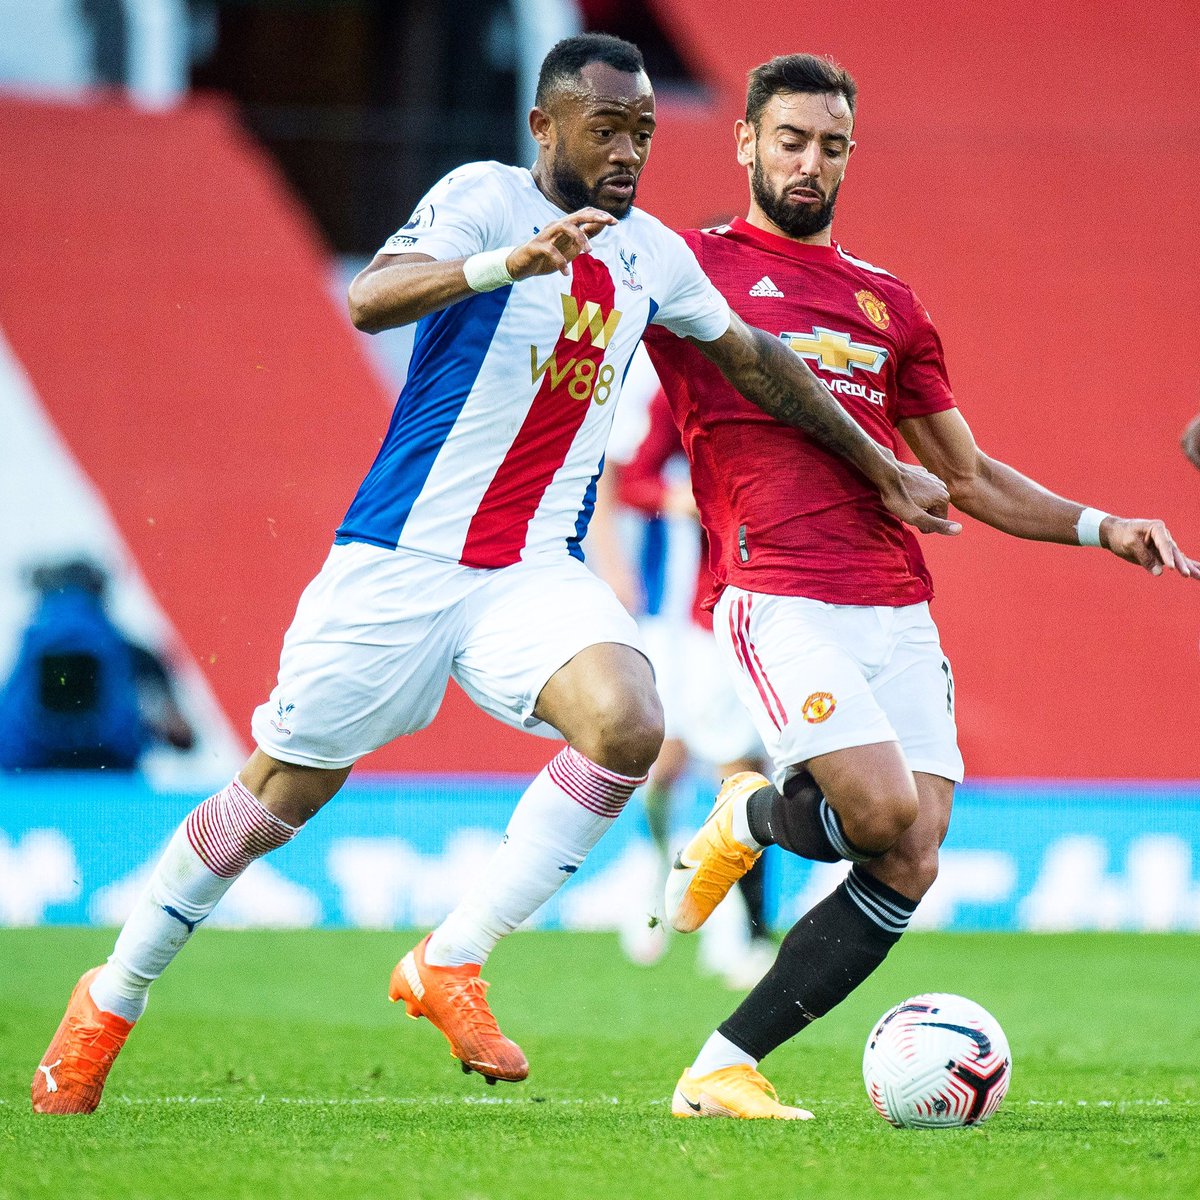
(802, 251)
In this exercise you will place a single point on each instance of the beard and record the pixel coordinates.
(795, 222)
(574, 191)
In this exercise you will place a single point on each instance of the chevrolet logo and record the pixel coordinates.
(835, 352)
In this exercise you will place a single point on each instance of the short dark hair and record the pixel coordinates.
(566, 59)
(806, 73)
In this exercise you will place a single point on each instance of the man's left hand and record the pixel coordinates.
(1149, 544)
(919, 498)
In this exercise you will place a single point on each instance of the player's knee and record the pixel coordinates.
(292, 793)
(626, 734)
(913, 869)
(877, 826)
(632, 747)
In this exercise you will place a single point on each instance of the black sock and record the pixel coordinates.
(824, 957)
(754, 893)
(800, 821)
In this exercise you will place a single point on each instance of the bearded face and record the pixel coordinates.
(795, 152)
(614, 192)
(801, 207)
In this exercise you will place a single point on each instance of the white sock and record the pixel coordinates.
(720, 1052)
(214, 845)
(562, 815)
(741, 823)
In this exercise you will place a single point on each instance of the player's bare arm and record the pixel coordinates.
(777, 380)
(996, 494)
(1190, 442)
(397, 289)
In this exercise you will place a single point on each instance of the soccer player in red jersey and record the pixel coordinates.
(821, 603)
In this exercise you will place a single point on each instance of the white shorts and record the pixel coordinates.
(700, 706)
(378, 633)
(821, 677)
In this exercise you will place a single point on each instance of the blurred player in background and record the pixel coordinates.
(823, 612)
(1191, 441)
(81, 695)
(460, 555)
(658, 566)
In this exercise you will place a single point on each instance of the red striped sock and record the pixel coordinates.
(562, 815)
(217, 841)
(596, 788)
(231, 829)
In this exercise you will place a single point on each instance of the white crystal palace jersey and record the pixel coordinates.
(497, 439)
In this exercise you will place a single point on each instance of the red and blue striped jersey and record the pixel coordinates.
(497, 439)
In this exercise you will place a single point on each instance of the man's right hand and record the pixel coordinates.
(556, 244)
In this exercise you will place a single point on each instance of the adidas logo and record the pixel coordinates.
(764, 287)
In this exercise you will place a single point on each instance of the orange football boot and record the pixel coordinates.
(454, 999)
(71, 1075)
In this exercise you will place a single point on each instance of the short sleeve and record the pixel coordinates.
(691, 307)
(922, 385)
(462, 214)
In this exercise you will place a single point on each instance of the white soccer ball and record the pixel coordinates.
(937, 1061)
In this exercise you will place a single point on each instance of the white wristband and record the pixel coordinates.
(487, 271)
(1087, 528)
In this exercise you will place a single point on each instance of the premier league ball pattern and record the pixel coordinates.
(937, 1061)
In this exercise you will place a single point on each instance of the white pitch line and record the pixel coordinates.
(348, 1101)
(1155, 1103)
(608, 1101)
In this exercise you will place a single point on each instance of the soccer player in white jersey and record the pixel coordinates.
(460, 555)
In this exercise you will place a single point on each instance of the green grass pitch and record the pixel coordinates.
(271, 1064)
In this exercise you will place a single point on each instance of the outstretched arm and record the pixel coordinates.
(992, 492)
(396, 289)
(779, 382)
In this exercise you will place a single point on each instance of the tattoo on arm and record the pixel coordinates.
(779, 382)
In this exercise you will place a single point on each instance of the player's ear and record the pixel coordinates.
(540, 125)
(745, 137)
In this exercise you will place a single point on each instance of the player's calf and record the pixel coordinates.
(801, 821)
(217, 841)
(835, 946)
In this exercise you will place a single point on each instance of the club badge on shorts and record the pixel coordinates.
(818, 707)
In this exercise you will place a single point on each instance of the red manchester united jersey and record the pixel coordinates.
(783, 515)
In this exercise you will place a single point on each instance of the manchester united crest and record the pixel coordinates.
(875, 310)
(818, 707)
